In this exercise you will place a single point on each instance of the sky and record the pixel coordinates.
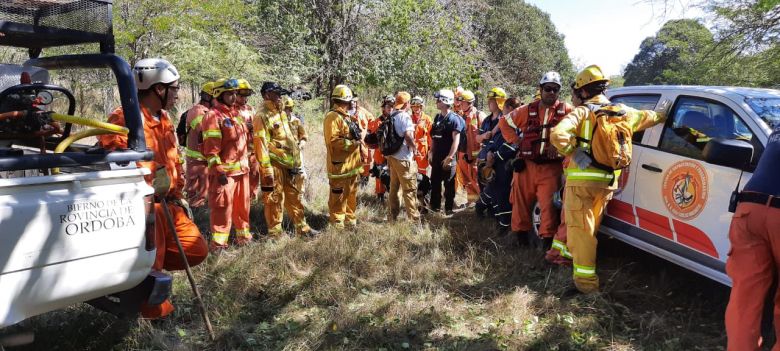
(622, 24)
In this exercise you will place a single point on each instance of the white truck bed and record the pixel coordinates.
(69, 238)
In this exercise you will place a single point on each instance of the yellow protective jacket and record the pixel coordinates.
(274, 139)
(580, 123)
(344, 159)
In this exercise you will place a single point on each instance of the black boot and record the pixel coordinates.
(522, 238)
(547, 244)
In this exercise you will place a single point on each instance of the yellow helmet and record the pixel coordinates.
(591, 74)
(208, 88)
(244, 88)
(466, 95)
(341, 93)
(223, 85)
(288, 101)
(499, 95)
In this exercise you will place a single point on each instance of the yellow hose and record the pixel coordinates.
(77, 136)
(89, 123)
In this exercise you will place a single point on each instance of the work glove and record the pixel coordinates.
(267, 180)
(663, 108)
(581, 158)
(184, 205)
(222, 179)
(161, 182)
(301, 144)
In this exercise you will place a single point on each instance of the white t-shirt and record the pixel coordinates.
(403, 123)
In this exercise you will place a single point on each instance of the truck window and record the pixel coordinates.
(695, 121)
(639, 102)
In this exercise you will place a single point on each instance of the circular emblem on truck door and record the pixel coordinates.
(685, 188)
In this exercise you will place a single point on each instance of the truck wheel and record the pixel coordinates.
(536, 220)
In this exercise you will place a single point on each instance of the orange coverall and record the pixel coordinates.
(376, 155)
(422, 138)
(538, 181)
(247, 112)
(468, 170)
(161, 139)
(197, 183)
(225, 139)
(364, 118)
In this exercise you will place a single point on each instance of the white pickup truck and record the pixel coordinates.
(76, 222)
(673, 200)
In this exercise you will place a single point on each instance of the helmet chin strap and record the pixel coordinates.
(163, 99)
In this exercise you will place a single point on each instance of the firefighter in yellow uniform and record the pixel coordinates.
(344, 163)
(276, 147)
(589, 185)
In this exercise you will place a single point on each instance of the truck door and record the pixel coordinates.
(621, 205)
(681, 201)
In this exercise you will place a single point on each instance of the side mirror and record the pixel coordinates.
(730, 153)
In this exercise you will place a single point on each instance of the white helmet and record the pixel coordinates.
(551, 77)
(151, 71)
(446, 96)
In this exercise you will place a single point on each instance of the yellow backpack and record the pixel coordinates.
(610, 138)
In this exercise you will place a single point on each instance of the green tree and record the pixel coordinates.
(672, 56)
(520, 44)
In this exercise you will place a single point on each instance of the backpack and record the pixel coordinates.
(389, 141)
(610, 140)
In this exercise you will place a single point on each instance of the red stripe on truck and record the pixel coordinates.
(622, 211)
(694, 238)
(654, 223)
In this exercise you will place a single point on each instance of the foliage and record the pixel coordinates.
(742, 49)
(518, 51)
(671, 56)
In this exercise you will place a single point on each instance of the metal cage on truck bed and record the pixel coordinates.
(40, 24)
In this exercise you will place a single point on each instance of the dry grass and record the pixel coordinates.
(448, 284)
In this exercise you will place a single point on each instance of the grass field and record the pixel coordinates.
(450, 284)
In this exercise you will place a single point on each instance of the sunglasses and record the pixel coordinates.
(549, 89)
(492, 95)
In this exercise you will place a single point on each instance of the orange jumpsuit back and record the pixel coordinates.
(225, 139)
(467, 160)
(541, 177)
(364, 118)
(197, 179)
(422, 138)
(161, 139)
(376, 155)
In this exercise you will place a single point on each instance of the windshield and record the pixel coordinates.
(766, 108)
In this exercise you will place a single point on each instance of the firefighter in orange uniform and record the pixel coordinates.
(379, 170)
(364, 118)
(538, 165)
(225, 139)
(158, 84)
(342, 141)
(275, 137)
(422, 138)
(197, 184)
(469, 150)
(247, 112)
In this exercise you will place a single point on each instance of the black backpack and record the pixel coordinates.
(389, 141)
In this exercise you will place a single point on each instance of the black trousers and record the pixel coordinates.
(441, 177)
